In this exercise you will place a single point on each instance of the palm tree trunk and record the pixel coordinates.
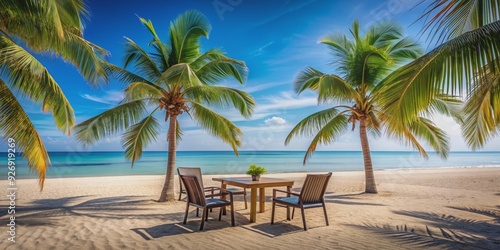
(370, 186)
(167, 193)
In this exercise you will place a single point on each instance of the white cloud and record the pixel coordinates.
(283, 103)
(110, 97)
(275, 121)
(252, 88)
(285, 12)
(261, 50)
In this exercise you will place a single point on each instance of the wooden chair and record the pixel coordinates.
(196, 197)
(311, 196)
(197, 172)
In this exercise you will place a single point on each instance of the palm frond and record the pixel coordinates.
(74, 13)
(142, 62)
(368, 67)
(87, 57)
(123, 75)
(162, 54)
(178, 132)
(142, 90)
(384, 34)
(401, 132)
(307, 79)
(355, 32)
(448, 19)
(53, 13)
(220, 69)
(310, 125)
(340, 46)
(419, 128)
(217, 125)
(446, 105)
(210, 55)
(185, 32)
(110, 122)
(139, 135)
(222, 97)
(55, 28)
(180, 74)
(482, 112)
(334, 88)
(327, 134)
(437, 138)
(27, 74)
(411, 88)
(404, 50)
(16, 124)
(374, 124)
(43, 24)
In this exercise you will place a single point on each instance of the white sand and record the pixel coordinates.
(431, 209)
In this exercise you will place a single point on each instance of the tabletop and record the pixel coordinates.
(248, 183)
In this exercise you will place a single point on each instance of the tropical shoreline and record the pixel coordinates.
(93, 164)
(273, 173)
(120, 212)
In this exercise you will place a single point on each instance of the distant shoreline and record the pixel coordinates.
(276, 173)
(93, 164)
(259, 151)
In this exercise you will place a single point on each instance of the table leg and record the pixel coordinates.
(223, 186)
(262, 199)
(253, 205)
(288, 189)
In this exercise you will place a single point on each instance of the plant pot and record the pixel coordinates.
(255, 177)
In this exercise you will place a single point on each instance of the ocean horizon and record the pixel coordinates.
(113, 163)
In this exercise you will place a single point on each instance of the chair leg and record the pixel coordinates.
(326, 216)
(293, 212)
(203, 215)
(186, 214)
(206, 216)
(220, 213)
(212, 197)
(180, 193)
(303, 218)
(272, 213)
(232, 213)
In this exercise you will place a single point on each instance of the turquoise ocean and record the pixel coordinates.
(81, 164)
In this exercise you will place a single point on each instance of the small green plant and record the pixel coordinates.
(254, 169)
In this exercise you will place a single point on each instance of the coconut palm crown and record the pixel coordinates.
(29, 28)
(362, 64)
(171, 79)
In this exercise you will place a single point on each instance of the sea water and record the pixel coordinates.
(80, 164)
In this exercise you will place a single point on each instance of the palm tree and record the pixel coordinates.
(52, 27)
(362, 63)
(173, 78)
(467, 63)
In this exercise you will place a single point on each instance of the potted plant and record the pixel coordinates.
(256, 171)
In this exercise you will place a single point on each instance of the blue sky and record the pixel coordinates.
(275, 38)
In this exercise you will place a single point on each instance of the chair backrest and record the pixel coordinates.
(190, 171)
(194, 191)
(314, 188)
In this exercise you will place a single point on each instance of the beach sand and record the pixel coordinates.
(430, 208)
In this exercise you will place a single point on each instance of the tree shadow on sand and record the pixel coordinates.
(45, 211)
(350, 199)
(446, 231)
(192, 225)
(275, 230)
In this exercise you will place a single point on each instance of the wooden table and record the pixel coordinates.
(246, 182)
